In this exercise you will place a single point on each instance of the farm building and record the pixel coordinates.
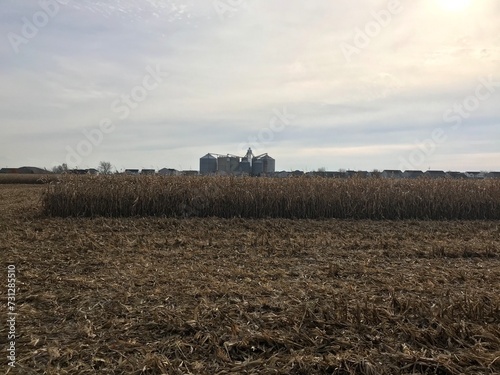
(189, 173)
(168, 172)
(92, 171)
(456, 175)
(493, 175)
(392, 173)
(475, 174)
(435, 174)
(413, 174)
(132, 172)
(358, 174)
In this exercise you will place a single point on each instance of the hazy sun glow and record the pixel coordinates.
(455, 5)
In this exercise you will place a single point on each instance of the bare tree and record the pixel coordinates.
(105, 167)
(63, 168)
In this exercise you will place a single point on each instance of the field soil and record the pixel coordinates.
(242, 296)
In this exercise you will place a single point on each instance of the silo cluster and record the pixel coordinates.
(231, 164)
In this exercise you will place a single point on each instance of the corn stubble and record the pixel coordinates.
(240, 296)
(296, 198)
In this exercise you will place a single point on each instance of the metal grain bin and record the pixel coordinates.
(223, 164)
(245, 167)
(257, 167)
(208, 164)
(234, 164)
(268, 164)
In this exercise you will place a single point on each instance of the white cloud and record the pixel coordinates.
(227, 76)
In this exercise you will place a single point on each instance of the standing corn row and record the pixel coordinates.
(314, 198)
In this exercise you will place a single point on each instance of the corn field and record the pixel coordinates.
(222, 296)
(300, 198)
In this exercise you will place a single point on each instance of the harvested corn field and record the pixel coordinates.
(244, 296)
(292, 198)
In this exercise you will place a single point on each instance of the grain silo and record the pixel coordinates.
(208, 164)
(223, 164)
(268, 164)
(263, 164)
(234, 163)
(228, 163)
(257, 167)
(245, 167)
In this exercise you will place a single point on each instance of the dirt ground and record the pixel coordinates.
(219, 296)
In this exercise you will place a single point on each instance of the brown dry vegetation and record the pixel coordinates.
(294, 198)
(12, 178)
(242, 296)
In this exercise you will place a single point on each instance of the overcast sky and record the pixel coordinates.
(351, 84)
